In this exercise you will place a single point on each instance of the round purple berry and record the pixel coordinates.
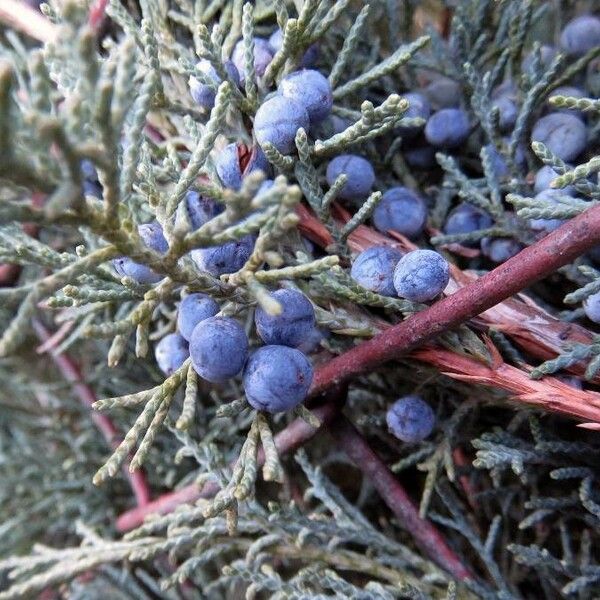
(228, 258)
(448, 128)
(591, 306)
(508, 112)
(410, 419)
(311, 89)
(171, 352)
(498, 161)
(152, 236)
(580, 35)
(418, 107)
(219, 348)
(401, 210)
(262, 57)
(544, 177)
(563, 134)
(310, 56)
(359, 172)
(193, 309)
(292, 326)
(466, 218)
(499, 250)
(421, 275)
(277, 378)
(374, 268)
(420, 157)
(236, 160)
(200, 209)
(443, 92)
(203, 94)
(277, 120)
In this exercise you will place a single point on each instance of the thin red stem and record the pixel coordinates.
(70, 371)
(533, 263)
(393, 494)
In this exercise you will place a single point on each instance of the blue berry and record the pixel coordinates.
(443, 92)
(547, 225)
(262, 57)
(499, 250)
(91, 185)
(193, 309)
(401, 210)
(591, 306)
(308, 59)
(421, 275)
(410, 419)
(359, 172)
(563, 134)
(418, 107)
(448, 128)
(219, 348)
(203, 94)
(580, 35)
(228, 258)
(499, 164)
(236, 160)
(466, 218)
(311, 89)
(292, 326)
(594, 254)
(543, 178)
(374, 268)
(547, 55)
(152, 236)
(420, 157)
(277, 120)
(200, 209)
(508, 111)
(277, 378)
(171, 352)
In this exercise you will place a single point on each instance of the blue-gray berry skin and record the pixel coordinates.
(418, 107)
(171, 352)
(507, 111)
(499, 164)
(263, 55)
(219, 348)
(591, 306)
(277, 378)
(410, 419)
(193, 309)
(401, 210)
(547, 55)
(228, 258)
(313, 341)
(152, 236)
(359, 172)
(277, 120)
(236, 160)
(563, 134)
(466, 218)
(203, 94)
(594, 254)
(580, 35)
(544, 177)
(311, 89)
(443, 92)
(374, 268)
(200, 209)
(91, 185)
(547, 225)
(499, 250)
(421, 275)
(420, 157)
(448, 128)
(292, 326)
(308, 59)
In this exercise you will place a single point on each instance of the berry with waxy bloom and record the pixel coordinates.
(410, 419)
(421, 275)
(359, 172)
(193, 309)
(374, 268)
(171, 352)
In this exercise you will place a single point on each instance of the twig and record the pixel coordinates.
(293, 436)
(19, 15)
(393, 494)
(531, 264)
(71, 373)
(97, 14)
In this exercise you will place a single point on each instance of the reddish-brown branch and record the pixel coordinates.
(393, 494)
(533, 263)
(72, 374)
(97, 14)
(293, 436)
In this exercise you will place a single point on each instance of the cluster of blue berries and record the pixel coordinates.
(276, 376)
